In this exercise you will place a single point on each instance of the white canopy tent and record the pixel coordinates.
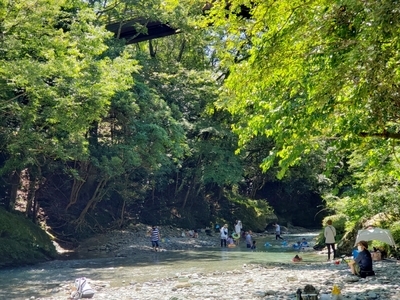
(378, 234)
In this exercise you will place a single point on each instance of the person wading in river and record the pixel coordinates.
(224, 235)
(238, 231)
(277, 231)
(155, 237)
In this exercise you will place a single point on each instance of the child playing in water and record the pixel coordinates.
(249, 241)
(253, 247)
(230, 242)
(297, 259)
(304, 243)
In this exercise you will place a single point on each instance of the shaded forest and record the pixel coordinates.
(258, 111)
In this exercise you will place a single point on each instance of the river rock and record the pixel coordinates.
(248, 281)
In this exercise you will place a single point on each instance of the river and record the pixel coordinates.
(44, 280)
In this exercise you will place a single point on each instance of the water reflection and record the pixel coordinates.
(156, 258)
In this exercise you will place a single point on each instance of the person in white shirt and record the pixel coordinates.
(277, 231)
(224, 235)
(238, 231)
(329, 234)
(238, 227)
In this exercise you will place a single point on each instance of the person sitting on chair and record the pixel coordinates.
(362, 264)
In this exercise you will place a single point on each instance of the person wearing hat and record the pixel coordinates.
(362, 264)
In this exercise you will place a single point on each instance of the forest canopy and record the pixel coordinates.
(253, 109)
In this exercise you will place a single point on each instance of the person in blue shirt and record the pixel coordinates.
(297, 246)
(362, 264)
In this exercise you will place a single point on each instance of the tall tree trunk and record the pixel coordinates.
(153, 194)
(94, 135)
(35, 178)
(151, 49)
(176, 183)
(97, 196)
(35, 208)
(190, 188)
(192, 183)
(84, 169)
(31, 197)
(181, 50)
(221, 192)
(15, 182)
(121, 220)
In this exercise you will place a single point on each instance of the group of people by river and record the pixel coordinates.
(361, 265)
(232, 240)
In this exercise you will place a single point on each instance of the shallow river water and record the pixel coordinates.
(43, 279)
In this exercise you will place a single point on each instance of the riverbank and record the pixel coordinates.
(269, 280)
(253, 281)
(190, 268)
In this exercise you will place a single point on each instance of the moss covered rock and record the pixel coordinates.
(22, 242)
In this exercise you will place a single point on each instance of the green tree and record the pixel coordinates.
(317, 75)
(55, 82)
(305, 71)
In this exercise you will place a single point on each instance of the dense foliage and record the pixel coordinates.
(253, 108)
(318, 76)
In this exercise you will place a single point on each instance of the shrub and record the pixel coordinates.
(22, 242)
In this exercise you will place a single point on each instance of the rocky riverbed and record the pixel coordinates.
(269, 280)
(256, 281)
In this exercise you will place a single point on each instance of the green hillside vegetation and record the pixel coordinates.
(289, 111)
(22, 242)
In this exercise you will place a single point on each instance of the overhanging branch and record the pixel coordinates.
(385, 134)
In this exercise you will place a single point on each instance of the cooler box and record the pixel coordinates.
(355, 253)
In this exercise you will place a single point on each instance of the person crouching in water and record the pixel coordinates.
(249, 241)
(297, 259)
(362, 264)
(230, 242)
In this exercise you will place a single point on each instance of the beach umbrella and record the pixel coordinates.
(377, 234)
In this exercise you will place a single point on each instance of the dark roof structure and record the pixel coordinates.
(126, 30)
(156, 29)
